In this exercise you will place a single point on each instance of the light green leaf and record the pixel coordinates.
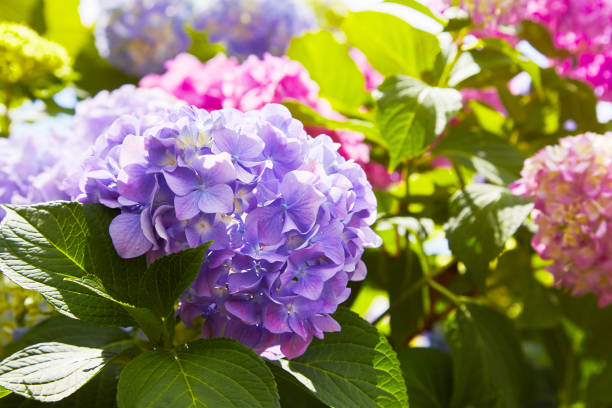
(207, 373)
(50, 371)
(310, 117)
(491, 156)
(421, 8)
(344, 85)
(390, 44)
(483, 218)
(411, 114)
(489, 366)
(429, 376)
(99, 392)
(355, 367)
(4, 392)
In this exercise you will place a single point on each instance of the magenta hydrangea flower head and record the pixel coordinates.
(571, 185)
(138, 36)
(254, 27)
(288, 216)
(223, 82)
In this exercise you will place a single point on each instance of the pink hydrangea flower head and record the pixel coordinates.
(222, 82)
(571, 185)
(373, 78)
(488, 96)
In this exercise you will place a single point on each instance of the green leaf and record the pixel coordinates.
(206, 373)
(201, 47)
(50, 371)
(355, 367)
(43, 246)
(429, 376)
(99, 392)
(168, 278)
(489, 155)
(483, 218)
(538, 36)
(4, 392)
(64, 24)
(27, 12)
(421, 8)
(390, 44)
(492, 61)
(63, 329)
(411, 114)
(488, 362)
(310, 117)
(344, 85)
(293, 394)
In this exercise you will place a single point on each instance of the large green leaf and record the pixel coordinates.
(429, 376)
(64, 251)
(207, 373)
(344, 85)
(411, 114)
(492, 61)
(65, 330)
(489, 155)
(293, 394)
(99, 392)
(391, 45)
(483, 218)
(50, 371)
(355, 367)
(489, 367)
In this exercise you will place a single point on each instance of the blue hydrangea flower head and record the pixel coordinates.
(138, 36)
(288, 216)
(254, 26)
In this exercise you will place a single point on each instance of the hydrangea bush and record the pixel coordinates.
(202, 238)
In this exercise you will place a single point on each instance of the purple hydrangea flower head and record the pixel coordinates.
(289, 217)
(138, 36)
(254, 26)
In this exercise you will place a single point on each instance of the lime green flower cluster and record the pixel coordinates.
(19, 310)
(30, 67)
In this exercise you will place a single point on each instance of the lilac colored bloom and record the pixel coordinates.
(254, 26)
(138, 36)
(288, 216)
(570, 184)
(224, 83)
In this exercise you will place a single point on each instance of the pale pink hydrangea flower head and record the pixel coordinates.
(571, 185)
(223, 82)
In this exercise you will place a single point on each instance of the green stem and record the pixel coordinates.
(444, 291)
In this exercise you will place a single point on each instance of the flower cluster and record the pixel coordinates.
(254, 26)
(36, 64)
(571, 184)
(225, 83)
(138, 36)
(288, 216)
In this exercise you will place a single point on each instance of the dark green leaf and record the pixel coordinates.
(411, 114)
(344, 85)
(50, 371)
(429, 376)
(491, 156)
(488, 362)
(69, 331)
(390, 44)
(538, 36)
(207, 373)
(293, 394)
(483, 218)
(353, 368)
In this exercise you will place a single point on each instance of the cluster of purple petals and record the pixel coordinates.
(288, 216)
(255, 27)
(138, 36)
